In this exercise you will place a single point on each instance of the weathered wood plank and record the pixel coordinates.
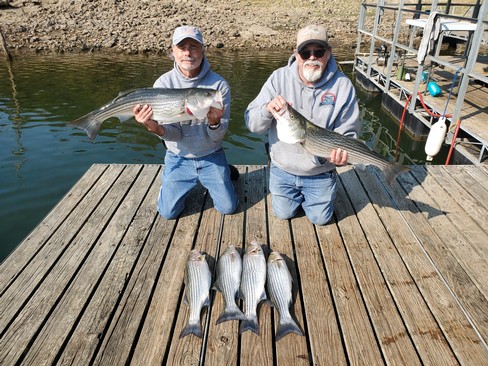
(455, 212)
(158, 325)
(223, 339)
(450, 317)
(31, 319)
(452, 241)
(79, 295)
(292, 349)
(189, 350)
(91, 328)
(257, 349)
(16, 262)
(347, 243)
(324, 334)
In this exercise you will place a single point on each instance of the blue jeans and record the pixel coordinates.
(180, 175)
(316, 194)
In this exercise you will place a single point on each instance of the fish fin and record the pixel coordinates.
(287, 327)
(216, 286)
(88, 123)
(195, 329)
(207, 301)
(393, 170)
(361, 167)
(249, 324)
(230, 313)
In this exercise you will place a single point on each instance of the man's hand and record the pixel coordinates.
(214, 115)
(338, 157)
(276, 105)
(143, 115)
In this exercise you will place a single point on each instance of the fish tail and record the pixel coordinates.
(88, 123)
(286, 327)
(195, 329)
(251, 324)
(230, 313)
(392, 170)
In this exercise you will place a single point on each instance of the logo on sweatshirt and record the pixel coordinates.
(328, 98)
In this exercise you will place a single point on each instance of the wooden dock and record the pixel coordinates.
(400, 276)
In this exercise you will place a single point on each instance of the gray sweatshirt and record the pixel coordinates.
(331, 103)
(194, 139)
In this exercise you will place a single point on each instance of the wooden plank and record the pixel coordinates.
(429, 342)
(223, 339)
(451, 240)
(123, 332)
(26, 281)
(31, 318)
(450, 317)
(58, 327)
(91, 328)
(158, 325)
(455, 212)
(324, 334)
(291, 349)
(16, 262)
(354, 275)
(189, 350)
(461, 194)
(257, 349)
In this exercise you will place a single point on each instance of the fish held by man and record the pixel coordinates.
(280, 285)
(198, 280)
(252, 285)
(229, 270)
(168, 105)
(292, 127)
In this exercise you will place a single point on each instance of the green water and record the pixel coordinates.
(42, 157)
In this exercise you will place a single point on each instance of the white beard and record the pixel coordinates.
(312, 75)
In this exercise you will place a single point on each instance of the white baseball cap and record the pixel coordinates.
(187, 31)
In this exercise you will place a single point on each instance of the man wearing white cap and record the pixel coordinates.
(194, 149)
(312, 83)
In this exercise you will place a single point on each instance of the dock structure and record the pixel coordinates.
(398, 277)
(402, 48)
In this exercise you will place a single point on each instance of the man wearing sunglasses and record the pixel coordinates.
(312, 83)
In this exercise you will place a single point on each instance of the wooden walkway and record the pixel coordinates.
(400, 277)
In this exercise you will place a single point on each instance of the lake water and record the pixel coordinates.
(42, 157)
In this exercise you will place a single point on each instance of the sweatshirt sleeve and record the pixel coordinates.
(347, 122)
(218, 134)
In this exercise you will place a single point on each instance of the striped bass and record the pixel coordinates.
(168, 105)
(292, 127)
(229, 269)
(252, 285)
(280, 285)
(198, 280)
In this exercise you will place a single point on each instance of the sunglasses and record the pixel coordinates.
(318, 53)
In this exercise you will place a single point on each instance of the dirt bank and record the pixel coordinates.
(145, 26)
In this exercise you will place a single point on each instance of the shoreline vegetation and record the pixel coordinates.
(146, 26)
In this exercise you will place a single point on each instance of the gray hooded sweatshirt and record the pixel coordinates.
(331, 103)
(194, 139)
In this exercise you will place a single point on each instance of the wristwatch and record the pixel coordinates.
(214, 127)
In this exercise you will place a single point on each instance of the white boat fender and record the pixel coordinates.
(436, 138)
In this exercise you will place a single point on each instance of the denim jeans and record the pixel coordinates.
(316, 194)
(180, 175)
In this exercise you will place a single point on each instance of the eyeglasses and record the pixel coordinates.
(318, 53)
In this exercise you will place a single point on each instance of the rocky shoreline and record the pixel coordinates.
(145, 26)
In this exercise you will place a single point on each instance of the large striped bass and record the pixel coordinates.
(280, 286)
(229, 269)
(252, 285)
(198, 280)
(168, 105)
(292, 127)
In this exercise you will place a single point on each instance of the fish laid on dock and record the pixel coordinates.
(198, 280)
(292, 127)
(229, 269)
(168, 105)
(252, 285)
(280, 284)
